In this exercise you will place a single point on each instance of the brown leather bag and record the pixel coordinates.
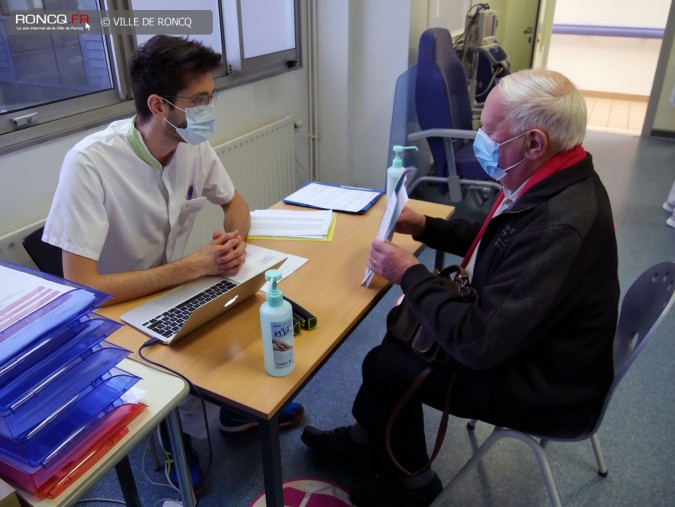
(403, 325)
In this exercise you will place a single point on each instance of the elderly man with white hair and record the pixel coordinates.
(533, 351)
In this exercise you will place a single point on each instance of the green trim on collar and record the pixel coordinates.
(137, 144)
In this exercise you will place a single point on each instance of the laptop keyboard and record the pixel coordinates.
(168, 323)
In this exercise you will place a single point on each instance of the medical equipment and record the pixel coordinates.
(484, 60)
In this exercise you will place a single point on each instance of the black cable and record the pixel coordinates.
(193, 389)
(474, 17)
(497, 71)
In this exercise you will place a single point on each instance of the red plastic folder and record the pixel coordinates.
(86, 451)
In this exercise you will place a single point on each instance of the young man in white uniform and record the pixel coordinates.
(122, 210)
(128, 196)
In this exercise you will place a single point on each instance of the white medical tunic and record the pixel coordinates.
(116, 204)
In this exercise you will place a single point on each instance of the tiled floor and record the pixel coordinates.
(607, 114)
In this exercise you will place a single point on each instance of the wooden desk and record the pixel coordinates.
(224, 358)
(162, 394)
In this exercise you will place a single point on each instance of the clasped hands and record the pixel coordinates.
(390, 261)
(225, 254)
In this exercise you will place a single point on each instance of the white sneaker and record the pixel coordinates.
(671, 221)
(670, 208)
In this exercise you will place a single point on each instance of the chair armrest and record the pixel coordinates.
(449, 133)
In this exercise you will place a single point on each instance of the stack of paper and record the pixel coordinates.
(291, 224)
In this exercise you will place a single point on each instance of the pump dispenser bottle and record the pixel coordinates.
(276, 322)
(396, 169)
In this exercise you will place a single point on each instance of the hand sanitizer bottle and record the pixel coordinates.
(276, 322)
(396, 169)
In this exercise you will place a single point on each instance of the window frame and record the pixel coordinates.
(69, 116)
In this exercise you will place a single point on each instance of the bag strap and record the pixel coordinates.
(460, 280)
(442, 426)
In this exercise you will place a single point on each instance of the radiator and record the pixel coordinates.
(261, 164)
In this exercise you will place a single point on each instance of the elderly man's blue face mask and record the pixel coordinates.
(487, 154)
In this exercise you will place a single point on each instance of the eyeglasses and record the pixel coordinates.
(199, 101)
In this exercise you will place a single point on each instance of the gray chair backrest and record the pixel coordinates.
(645, 305)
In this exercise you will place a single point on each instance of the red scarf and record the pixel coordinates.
(557, 163)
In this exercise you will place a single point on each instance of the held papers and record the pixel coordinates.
(337, 198)
(395, 205)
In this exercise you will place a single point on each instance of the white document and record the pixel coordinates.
(290, 265)
(22, 294)
(325, 196)
(291, 224)
(393, 210)
(257, 259)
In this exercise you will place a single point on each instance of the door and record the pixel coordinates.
(517, 27)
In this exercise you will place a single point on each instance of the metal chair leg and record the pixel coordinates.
(496, 434)
(473, 461)
(602, 468)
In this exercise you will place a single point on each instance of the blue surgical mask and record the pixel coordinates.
(201, 124)
(487, 154)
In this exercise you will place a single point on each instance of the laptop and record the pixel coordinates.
(173, 315)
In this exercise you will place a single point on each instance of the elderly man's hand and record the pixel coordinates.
(390, 261)
(410, 222)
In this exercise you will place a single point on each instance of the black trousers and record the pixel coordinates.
(388, 370)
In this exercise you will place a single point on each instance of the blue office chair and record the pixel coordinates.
(445, 117)
(645, 305)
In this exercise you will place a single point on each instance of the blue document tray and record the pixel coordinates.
(26, 316)
(22, 335)
(59, 429)
(54, 350)
(24, 409)
(99, 297)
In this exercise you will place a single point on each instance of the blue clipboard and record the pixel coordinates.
(331, 197)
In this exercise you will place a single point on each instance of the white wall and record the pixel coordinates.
(646, 13)
(616, 65)
(608, 64)
(363, 48)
